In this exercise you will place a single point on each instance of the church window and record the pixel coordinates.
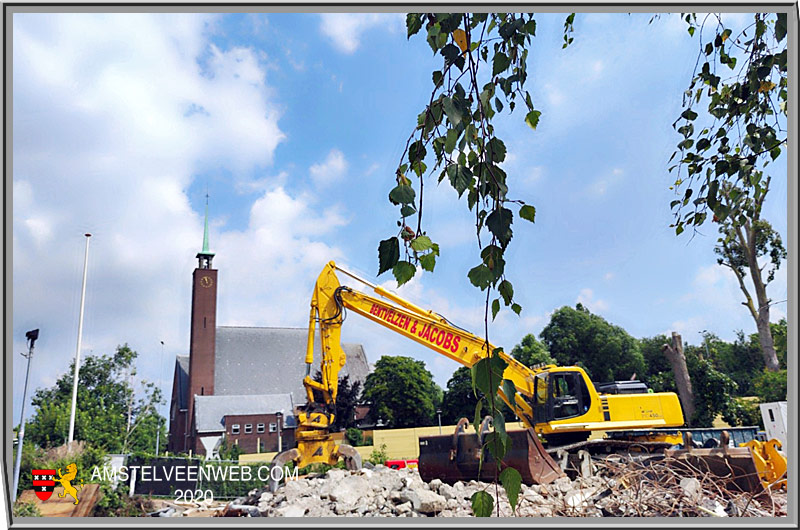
(260, 427)
(248, 428)
(235, 428)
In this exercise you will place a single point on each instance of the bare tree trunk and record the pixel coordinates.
(677, 359)
(761, 313)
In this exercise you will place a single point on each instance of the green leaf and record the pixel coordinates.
(478, 410)
(497, 150)
(480, 276)
(506, 290)
(407, 210)
(452, 111)
(438, 77)
(499, 223)
(500, 63)
(532, 119)
(528, 213)
(450, 52)
(495, 307)
(488, 374)
(413, 23)
(402, 194)
(388, 254)
(482, 504)
(460, 177)
(516, 308)
(780, 27)
(689, 114)
(512, 482)
(499, 421)
(497, 444)
(450, 140)
(509, 389)
(416, 152)
(428, 261)
(403, 271)
(421, 243)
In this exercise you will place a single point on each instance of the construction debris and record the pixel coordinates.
(619, 487)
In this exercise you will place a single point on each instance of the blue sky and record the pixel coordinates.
(293, 124)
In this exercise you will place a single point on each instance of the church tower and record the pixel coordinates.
(203, 327)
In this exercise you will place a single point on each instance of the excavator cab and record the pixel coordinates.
(559, 396)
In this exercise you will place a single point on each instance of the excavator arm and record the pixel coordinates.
(331, 300)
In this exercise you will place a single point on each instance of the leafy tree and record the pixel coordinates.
(108, 414)
(658, 372)
(606, 352)
(771, 386)
(347, 398)
(741, 360)
(779, 330)
(713, 390)
(531, 352)
(401, 391)
(725, 151)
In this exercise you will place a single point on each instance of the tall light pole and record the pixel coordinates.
(31, 336)
(158, 425)
(705, 341)
(78, 349)
(439, 414)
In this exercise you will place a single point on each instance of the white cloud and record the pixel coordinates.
(332, 169)
(284, 249)
(586, 297)
(114, 115)
(346, 29)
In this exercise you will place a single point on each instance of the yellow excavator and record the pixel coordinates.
(560, 403)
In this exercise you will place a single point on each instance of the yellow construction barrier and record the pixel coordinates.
(401, 444)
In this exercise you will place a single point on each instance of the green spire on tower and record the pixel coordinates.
(205, 255)
(205, 232)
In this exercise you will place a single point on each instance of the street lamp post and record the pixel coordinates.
(31, 336)
(439, 414)
(78, 348)
(705, 341)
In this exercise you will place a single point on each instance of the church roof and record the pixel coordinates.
(251, 360)
(182, 366)
(211, 410)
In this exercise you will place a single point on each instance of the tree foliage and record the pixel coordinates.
(713, 390)
(531, 352)
(110, 413)
(726, 147)
(743, 125)
(578, 337)
(400, 391)
(483, 73)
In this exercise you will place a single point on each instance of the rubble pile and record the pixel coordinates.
(615, 489)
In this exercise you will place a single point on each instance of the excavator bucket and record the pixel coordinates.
(455, 457)
(734, 465)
